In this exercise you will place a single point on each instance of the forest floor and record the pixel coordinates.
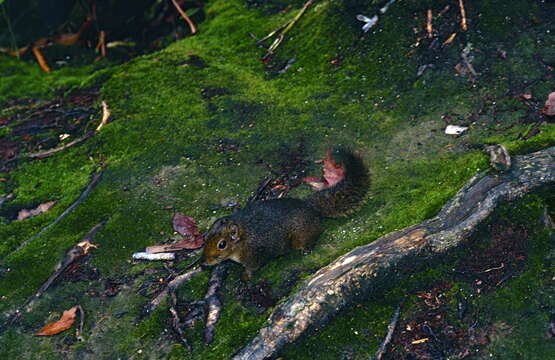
(196, 127)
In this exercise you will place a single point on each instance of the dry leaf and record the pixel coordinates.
(26, 213)
(105, 116)
(56, 327)
(86, 246)
(187, 227)
(333, 174)
(549, 107)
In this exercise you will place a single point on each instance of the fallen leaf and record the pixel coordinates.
(26, 213)
(56, 327)
(187, 227)
(549, 107)
(86, 246)
(333, 174)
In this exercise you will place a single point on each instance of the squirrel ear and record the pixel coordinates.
(234, 232)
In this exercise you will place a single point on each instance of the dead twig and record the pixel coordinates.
(101, 47)
(40, 59)
(50, 152)
(105, 116)
(260, 191)
(282, 30)
(76, 252)
(449, 39)
(429, 28)
(464, 26)
(172, 285)
(184, 16)
(79, 331)
(214, 304)
(495, 268)
(176, 321)
(390, 330)
(94, 181)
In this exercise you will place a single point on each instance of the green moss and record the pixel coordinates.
(172, 108)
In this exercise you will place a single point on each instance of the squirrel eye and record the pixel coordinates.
(222, 244)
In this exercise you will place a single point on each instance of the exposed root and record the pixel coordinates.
(371, 267)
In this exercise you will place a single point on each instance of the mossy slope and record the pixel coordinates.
(171, 109)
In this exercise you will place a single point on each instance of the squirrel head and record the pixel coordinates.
(220, 242)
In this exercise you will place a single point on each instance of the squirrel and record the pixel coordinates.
(266, 229)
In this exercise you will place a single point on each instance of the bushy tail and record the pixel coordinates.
(344, 197)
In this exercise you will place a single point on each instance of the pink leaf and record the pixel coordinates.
(549, 107)
(333, 174)
(187, 227)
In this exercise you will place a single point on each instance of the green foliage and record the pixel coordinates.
(171, 110)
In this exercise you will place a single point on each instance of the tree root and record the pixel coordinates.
(214, 304)
(365, 269)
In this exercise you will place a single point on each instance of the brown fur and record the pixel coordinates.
(266, 229)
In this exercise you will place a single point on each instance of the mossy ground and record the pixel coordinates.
(170, 111)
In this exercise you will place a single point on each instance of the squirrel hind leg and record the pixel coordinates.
(304, 239)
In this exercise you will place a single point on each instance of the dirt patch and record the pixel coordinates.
(441, 325)
(491, 265)
(258, 295)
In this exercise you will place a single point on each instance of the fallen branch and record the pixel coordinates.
(94, 181)
(390, 330)
(368, 268)
(48, 153)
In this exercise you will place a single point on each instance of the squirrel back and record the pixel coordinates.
(345, 196)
